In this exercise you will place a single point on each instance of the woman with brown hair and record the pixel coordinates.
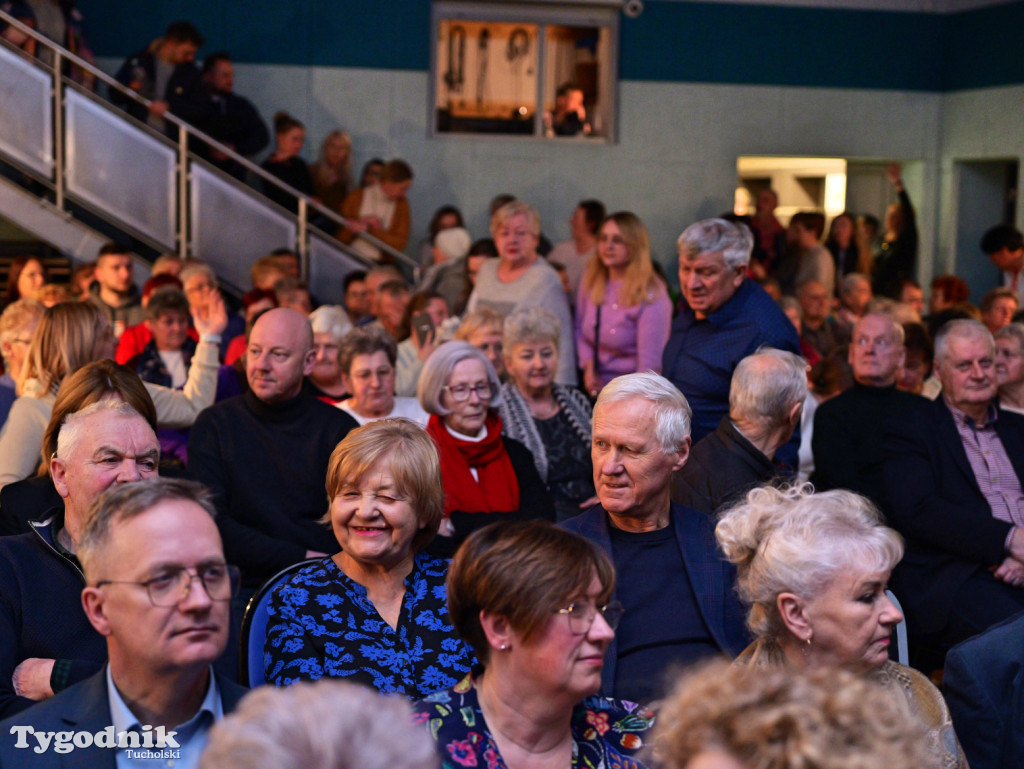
(25, 276)
(623, 312)
(535, 603)
(69, 336)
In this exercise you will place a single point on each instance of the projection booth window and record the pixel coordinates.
(514, 68)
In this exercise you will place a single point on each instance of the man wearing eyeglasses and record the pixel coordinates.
(676, 589)
(159, 591)
(848, 429)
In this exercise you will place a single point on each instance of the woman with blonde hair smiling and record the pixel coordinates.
(375, 612)
(623, 312)
(813, 568)
(553, 421)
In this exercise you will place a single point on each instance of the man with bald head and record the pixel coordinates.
(264, 454)
(848, 429)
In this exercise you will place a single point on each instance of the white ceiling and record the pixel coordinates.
(931, 6)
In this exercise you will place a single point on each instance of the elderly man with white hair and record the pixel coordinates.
(953, 470)
(765, 404)
(676, 588)
(725, 318)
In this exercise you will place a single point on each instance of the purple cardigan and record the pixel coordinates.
(632, 338)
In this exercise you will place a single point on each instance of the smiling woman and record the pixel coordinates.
(374, 613)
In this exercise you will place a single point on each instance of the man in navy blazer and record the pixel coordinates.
(984, 687)
(676, 588)
(953, 471)
(159, 591)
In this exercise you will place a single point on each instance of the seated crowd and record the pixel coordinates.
(551, 486)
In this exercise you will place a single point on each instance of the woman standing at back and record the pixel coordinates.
(623, 313)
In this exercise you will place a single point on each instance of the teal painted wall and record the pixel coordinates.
(671, 42)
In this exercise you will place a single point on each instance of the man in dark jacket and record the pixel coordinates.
(166, 74)
(46, 641)
(675, 586)
(232, 119)
(765, 402)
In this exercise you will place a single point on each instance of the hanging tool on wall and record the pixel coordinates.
(455, 75)
(481, 66)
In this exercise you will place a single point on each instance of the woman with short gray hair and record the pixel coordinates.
(487, 478)
(813, 568)
(553, 421)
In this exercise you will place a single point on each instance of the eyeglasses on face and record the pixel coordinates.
(171, 587)
(581, 615)
(484, 391)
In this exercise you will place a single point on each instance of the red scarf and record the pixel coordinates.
(497, 491)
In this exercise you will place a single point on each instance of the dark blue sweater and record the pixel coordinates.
(41, 612)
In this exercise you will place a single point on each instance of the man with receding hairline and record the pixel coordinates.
(46, 643)
(264, 454)
(848, 429)
(953, 471)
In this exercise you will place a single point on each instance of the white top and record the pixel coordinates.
(539, 286)
(575, 263)
(409, 408)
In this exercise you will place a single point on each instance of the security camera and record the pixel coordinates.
(633, 8)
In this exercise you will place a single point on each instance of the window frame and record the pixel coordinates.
(542, 13)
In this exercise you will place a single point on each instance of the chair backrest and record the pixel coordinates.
(254, 627)
(902, 647)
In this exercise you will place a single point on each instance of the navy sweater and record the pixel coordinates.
(266, 466)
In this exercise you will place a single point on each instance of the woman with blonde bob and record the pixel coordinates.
(623, 312)
(724, 716)
(375, 612)
(813, 568)
(69, 336)
(535, 602)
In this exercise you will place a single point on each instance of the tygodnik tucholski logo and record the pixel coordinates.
(148, 743)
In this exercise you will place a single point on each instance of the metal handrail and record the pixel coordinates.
(184, 131)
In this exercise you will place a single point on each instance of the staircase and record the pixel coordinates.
(76, 171)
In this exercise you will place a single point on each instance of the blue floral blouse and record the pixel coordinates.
(607, 734)
(323, 625)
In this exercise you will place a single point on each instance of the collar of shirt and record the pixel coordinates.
(210, 710)
(964, 422)
(733, 307)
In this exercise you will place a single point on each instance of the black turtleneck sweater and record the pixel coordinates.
(266, 466)
(847, 439)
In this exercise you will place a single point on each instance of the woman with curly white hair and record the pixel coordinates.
(813, 568)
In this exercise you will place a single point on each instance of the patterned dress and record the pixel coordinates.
(606, 734)
(323, 625)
